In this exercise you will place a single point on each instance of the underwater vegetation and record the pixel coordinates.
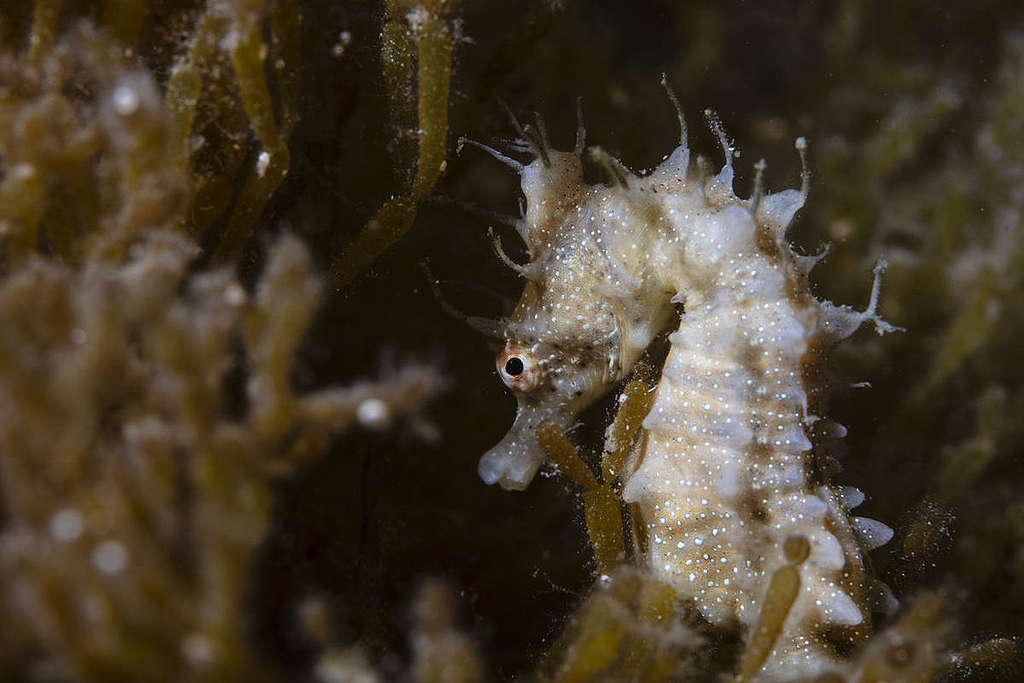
(239, 432)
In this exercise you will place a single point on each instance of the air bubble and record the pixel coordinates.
(373, 413)
(126, 100)
(110, 557)
(66, 525)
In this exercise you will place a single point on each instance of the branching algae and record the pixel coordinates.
(135, 482)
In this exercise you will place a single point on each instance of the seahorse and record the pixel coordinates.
(724, 473)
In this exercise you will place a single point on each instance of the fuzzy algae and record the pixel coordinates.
(135, 486)
(422, 29)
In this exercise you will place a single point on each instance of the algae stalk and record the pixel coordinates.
(434, 41)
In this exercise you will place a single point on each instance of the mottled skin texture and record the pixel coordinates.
(723, 475)
(589, 308)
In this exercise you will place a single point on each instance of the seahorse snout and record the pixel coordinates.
(514, 461)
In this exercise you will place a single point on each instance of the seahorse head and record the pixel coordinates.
(587, 310)
(561, 352)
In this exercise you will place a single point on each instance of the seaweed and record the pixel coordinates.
(423, 29)
(136, 485)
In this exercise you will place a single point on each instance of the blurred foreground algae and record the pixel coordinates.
(133, 500)
(135, 481)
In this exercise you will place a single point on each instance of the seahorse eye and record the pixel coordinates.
(514, 366)
(518, 367)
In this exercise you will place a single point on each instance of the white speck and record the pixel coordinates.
(234, 295)
(110, 557)
(262, 163)
(66, 525)
(78, 336)
(344, 40)
(126, 100)
(197, 648)
(417, 18)
(373, 413)
(23, 171)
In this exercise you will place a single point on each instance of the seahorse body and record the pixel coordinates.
(722, 474)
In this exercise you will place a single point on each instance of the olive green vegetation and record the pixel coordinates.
(136, 470)
(173, 176)
(416, 39)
